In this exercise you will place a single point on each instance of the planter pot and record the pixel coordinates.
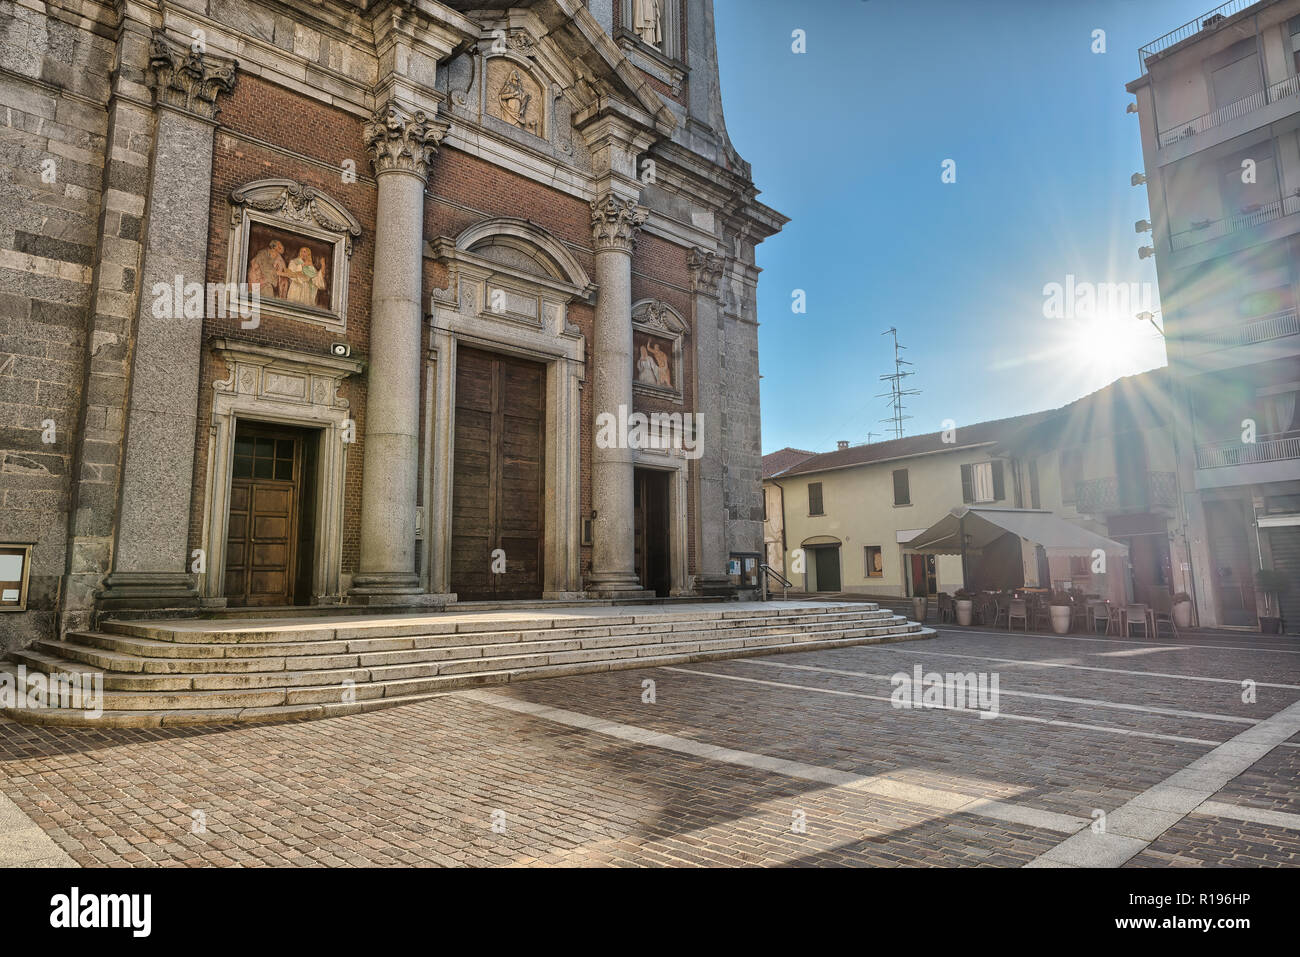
(963, 610)
(1061, 619)
(1183, 614)
(918, 608)
(1270, 626)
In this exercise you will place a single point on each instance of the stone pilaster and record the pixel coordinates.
(615, 221)
(150, 561)
(402, 144)
(711, 506)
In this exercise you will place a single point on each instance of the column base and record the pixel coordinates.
(393, 589)
(148, 590)
(715, 586)
(623, 585)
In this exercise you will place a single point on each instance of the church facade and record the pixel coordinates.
(380, 302)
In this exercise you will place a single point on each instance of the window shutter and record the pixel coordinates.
(815, 498)
(967, 484)
(999, 486)
(902, 493)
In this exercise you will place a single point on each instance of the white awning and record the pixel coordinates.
(1279, 521)
(983, 526)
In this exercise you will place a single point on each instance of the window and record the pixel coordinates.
(873, 562)
(15, 570)
(902, 493)
(982, 482)
(1033, 484)
(815, 498)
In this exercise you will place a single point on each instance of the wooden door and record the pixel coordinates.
(262, 534)
(651, 531)
(828, 568)
(498, 477)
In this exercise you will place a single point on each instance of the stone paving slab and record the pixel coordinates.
(788, 767)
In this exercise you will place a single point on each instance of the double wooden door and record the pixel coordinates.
(262, 533)
(497, 526)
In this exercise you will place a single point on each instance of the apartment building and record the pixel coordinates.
(1218, 100)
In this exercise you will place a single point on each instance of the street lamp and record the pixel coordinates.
(1151, 318)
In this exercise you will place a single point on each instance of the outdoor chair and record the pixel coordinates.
(1041, 610)
(1099, 611)
(1135, 614)
(1079, 614)
(995, 610)
(1162, 611)
(947, 612)
(1017, 608)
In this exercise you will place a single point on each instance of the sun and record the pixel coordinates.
(1106, 346)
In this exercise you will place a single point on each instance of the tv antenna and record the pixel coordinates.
(896, 391)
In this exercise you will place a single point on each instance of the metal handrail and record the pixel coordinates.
(1190, 28)
(767, 570)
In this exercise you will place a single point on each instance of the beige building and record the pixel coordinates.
(1218, 100)
(1104, 464)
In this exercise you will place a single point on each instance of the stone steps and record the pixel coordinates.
(163, 673)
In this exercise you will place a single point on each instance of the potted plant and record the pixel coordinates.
(1274, 584)
(1182, 610)
(1061, 607)
(964, 601)
(919, 603)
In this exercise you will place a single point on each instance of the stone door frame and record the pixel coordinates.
(281, 387)
(675, 464)
(462, 314)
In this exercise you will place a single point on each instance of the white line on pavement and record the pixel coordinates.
(1058, 663)
(1256, 815)
(1130, 828)
(1091, 702)
(972, 712)
(1116, 641)
(945, 802)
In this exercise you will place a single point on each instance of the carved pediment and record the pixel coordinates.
(294, 201)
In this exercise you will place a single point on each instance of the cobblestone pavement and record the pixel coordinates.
(785, 760)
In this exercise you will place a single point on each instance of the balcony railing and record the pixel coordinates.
(1110, 496)
(1247, 104)
(1246, 219)
(1191, 28)
(1278, 447)
(1277, 326)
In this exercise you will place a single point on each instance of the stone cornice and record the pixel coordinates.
(188, 80)
(615, 223)
(399, 139)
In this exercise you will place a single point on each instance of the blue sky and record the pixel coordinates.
(848, 139)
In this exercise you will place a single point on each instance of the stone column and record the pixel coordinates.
(402, 144)
(711, 507)
(150, 559)
(614, 224)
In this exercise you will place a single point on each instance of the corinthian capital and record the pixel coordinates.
(706, 270)
(615, 223)
(402, 139)
(188, 79)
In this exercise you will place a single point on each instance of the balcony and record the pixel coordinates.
(1208, 229)
(1278, 447)
(1191, 28)
(1247, 104)
(1277, 326)
(1110, 496)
